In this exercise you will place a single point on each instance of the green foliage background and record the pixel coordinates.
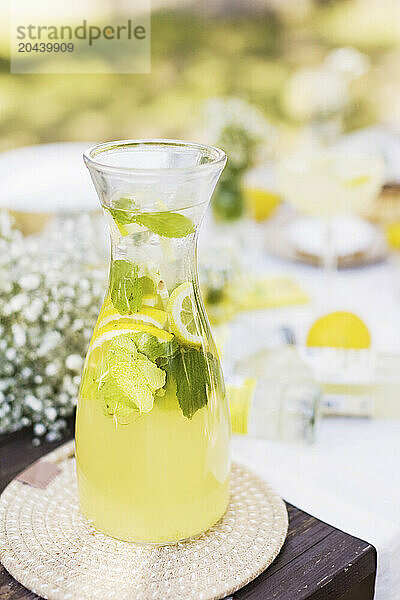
(194, 57)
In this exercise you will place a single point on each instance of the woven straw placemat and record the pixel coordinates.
(49, 547)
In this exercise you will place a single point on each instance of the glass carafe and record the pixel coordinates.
(153, 428)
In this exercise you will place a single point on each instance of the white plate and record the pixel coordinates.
(351, 235)
(47, 178)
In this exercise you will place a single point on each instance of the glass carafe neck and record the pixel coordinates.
(153, 176)
(161, 263)
(154, 195)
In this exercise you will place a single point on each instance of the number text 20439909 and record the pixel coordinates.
(46, 47)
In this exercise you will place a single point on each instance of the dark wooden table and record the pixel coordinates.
(317, 561)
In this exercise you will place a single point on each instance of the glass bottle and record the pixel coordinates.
(153, 427)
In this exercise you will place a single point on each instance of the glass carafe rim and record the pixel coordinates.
(216, 162)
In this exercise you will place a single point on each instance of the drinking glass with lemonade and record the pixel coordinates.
(153, 427)
(324, 182)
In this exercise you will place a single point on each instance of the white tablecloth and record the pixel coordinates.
(351, 477)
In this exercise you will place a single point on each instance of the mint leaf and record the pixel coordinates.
(127, 364)
(123, 210)
(115, 403)
(125, 289)
(127, 380)
(166, 224)
(123, 414)
(153, 348)
(105, 389)
(148, 285)
(189, 368)
(123, 348)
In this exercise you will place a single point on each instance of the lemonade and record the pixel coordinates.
(153, 428)
(326, 182)
(158, 479)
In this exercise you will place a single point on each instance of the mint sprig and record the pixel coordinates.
(127, 381)
(165, 224)
(148, 285)
(152, 347)
(190, 370)
(123, 210)
(125, 288)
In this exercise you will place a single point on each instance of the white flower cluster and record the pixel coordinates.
(221, 114)
(348, 61)
(50, 294)
(324, 90)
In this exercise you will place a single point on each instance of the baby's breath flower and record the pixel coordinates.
(243, 132)
(45, 286)
(223, 113)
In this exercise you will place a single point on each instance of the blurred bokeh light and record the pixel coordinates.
(220, 48)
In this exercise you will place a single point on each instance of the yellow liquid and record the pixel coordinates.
(324, 182)
(160, 479)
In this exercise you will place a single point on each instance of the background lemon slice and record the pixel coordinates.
(339, 330)
(260, 203)
(182, 315)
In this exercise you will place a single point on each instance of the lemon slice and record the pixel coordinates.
(339, 330)
(127, 325)
(261, 203)
(105, 334)
(181, 312)
(356, 181)
(101, 341)
(147, 314)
